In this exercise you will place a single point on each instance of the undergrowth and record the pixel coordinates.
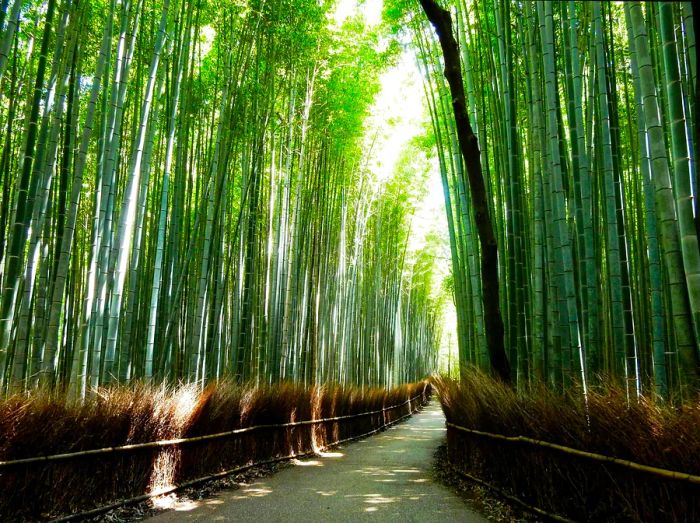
(45, 424)
(574, 487)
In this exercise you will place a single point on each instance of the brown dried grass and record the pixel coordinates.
(606, 423)
(45, 424)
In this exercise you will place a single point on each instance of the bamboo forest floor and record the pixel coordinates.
(383, 478)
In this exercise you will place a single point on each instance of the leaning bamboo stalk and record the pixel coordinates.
(128, 215)
(8, 35)
(656, 471)
(468, 142)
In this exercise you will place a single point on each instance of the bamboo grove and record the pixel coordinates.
(585, 115)
(184, 198)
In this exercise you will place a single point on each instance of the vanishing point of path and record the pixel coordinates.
(384, 478)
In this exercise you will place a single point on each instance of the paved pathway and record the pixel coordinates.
(384, 478)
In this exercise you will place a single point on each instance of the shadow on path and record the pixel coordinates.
(382, 478)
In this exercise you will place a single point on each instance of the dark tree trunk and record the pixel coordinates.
(469, 146)
(694, 99)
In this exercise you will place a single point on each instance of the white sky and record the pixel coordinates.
(397, 116)
(371, 9)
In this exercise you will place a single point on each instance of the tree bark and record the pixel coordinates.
(468, 143)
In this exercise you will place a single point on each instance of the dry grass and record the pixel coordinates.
(583, 490)
(43, 424)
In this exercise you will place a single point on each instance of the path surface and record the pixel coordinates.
(383, 478)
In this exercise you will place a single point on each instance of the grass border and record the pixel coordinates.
(633, 465)
(195, 439)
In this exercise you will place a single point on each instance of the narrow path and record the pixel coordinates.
(383, 478)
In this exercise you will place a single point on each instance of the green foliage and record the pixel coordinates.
(397, 14)
(351, 80)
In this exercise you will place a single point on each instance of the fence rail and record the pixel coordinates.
(656, 471)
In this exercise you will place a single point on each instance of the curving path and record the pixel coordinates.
(383, 478)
